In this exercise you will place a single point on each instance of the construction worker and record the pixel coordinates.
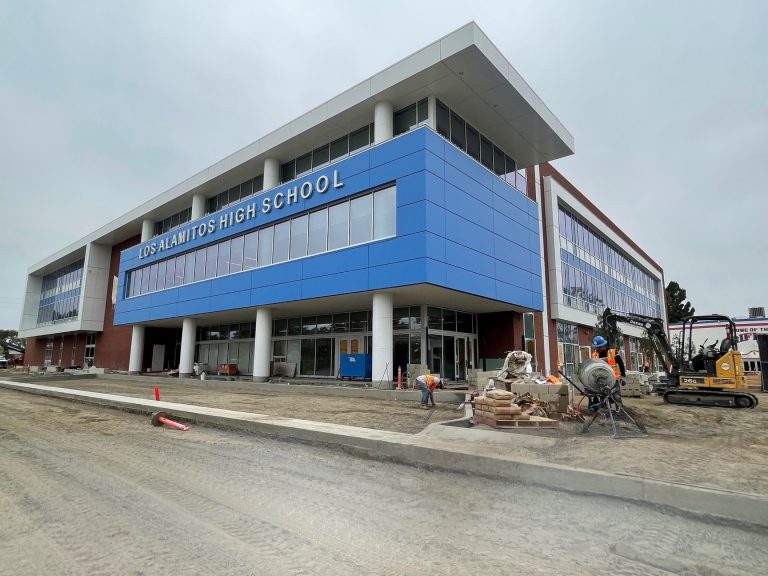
(613, 358)
(427, 384)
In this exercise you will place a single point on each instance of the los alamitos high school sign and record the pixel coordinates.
(275, 201)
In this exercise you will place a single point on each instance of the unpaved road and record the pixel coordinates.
(88, 490)
(709, 447)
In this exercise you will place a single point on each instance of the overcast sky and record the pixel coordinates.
(105, 104)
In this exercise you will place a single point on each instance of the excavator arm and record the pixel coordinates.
(654, 327)
(11, 346)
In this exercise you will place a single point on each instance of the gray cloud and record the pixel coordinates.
(105, 104)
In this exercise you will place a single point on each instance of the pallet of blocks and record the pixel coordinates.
(632, 386)
(497, 409)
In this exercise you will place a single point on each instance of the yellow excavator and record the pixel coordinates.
(713, 377)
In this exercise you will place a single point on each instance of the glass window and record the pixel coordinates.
(473, 143)
(280, 328)
(309, 325)
(265, 246)
(415, 317)
(189, 268)
(320, 156)
(339, 148)
(170, 272)
(415, 349)
(486, 152)
(443, 119)
(498, 161)
(281, 242)
(384, 213)
(511, 169)
(401, 318)
(246, 189)
(324, 356)
(423, 111)
(299, 237)
(258, 183)
(308, 357)
(236, 255)
(318, 231)
(359, 139)
(250, 246)
(463, 322)
(458, 135)
(360, 220)
(434, 318)
(449, 320)
(161, 272)
(338, 226)
(136, 282)
(303, 164)
(325, 324)
(404, 120)
(234, 194)
(278, 351)
(145, 280)
(288, 171)
(341, 322)
(211, 261)
(358, 322)
(199, 265)
(222, 200)
(294, 327)
(222, 268)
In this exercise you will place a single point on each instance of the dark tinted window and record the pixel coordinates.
(473, 143)
(443, 119)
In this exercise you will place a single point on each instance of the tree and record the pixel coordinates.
(677, 308)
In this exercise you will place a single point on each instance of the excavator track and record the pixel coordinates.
(719, 399)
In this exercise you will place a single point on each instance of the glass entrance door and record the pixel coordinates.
(461, 358)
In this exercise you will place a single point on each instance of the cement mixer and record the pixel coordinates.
(603, 391)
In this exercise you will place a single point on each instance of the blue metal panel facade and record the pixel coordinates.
(458, 226)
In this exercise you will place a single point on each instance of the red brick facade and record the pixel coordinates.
(113, 343)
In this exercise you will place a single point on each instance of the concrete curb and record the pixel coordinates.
(423, 450)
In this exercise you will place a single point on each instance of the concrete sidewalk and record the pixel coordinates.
(449, 448)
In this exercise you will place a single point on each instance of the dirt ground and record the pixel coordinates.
(86, 490)
(709, 447)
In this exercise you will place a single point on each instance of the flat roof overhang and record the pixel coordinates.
(402, 296)
(464, 69)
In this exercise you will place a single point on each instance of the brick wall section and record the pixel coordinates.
(35, 352)
(80, 350)
(113, 343)
(498, 333)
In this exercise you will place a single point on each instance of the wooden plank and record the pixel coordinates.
(534, 422)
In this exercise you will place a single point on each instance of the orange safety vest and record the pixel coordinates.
(611, 360)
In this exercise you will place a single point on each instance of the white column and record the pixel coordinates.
(382, 339)
(137, 349)
(432, 112)
(188, 337)
(198, 206)
(382, 122)
(262, 345)
(271, 173)
(147, 229)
